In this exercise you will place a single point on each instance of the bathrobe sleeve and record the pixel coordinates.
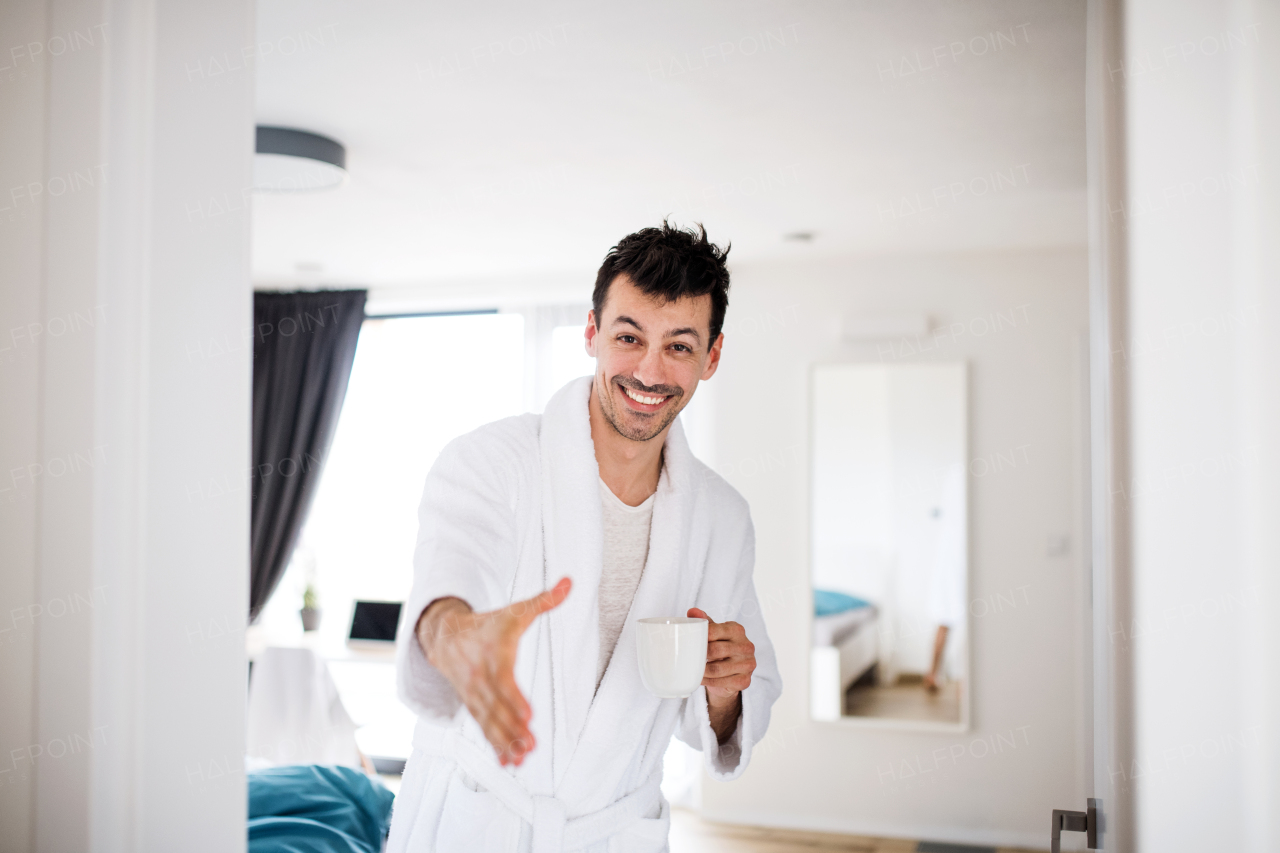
(466, 549)
(728, 594)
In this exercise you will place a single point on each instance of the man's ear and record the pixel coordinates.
(713, 358)
(589, 334)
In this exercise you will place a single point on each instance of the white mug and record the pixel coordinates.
(673, 654)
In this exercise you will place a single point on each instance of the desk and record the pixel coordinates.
(325, 645)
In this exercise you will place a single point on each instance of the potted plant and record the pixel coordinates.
(310, 611)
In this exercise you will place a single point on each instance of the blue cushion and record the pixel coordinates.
(827, 602)
(312, 808)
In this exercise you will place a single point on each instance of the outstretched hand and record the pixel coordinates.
(476, 652)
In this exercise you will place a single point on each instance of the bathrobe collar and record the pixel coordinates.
(591, 727)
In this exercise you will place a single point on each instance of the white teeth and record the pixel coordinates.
(648, 401)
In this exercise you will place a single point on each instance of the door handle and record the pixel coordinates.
(1068, 821)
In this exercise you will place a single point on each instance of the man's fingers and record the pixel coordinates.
(512, 712)
(733, 666)
(513, 698)
(503, 701)
(722, 649)
(517, 749)
(512, 738)
(737, 682)
(529, 609)
(480, 692)
(502, 729)
(725, 631)
(553, 597)
(502, 712)
(511, 745)
(718, 630)
(719, 649)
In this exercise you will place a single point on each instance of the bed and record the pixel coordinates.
(315, 808)
(849, 625)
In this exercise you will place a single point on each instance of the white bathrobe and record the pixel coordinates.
(507, 511)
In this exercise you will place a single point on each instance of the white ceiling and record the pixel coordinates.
(523, 139)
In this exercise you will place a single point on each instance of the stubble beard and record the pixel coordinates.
(648, 429)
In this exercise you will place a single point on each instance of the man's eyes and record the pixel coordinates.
(631, 339)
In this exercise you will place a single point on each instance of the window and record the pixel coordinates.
(416, 384)
(569, 357)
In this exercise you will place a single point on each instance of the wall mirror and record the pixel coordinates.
(889, 544)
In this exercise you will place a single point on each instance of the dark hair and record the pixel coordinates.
(668, 263)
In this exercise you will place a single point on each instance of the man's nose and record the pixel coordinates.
(649, 370)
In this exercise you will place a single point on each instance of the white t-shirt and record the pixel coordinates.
(626, 547)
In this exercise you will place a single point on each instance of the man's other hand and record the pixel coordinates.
(476, 652)
(731, 658)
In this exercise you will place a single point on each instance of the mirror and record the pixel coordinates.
(889, 547)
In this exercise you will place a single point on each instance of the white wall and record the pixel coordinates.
(119, 702)
(1203, 220)
(1027, 640)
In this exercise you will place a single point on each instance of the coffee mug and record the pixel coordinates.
(673, 654)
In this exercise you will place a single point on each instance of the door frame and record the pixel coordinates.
(1109, 457)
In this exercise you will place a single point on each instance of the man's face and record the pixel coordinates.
(650, 356)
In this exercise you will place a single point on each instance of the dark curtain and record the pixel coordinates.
(303, 347)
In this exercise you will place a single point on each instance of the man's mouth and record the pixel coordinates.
(644, 402)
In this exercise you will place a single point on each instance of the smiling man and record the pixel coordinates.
(535, 731)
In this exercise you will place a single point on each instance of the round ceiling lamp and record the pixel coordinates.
(291, 161)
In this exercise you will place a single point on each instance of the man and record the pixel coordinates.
(535, 732)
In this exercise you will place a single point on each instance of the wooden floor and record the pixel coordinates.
(691, 834)
(906, 701)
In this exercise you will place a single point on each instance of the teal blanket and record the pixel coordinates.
(312, 808)
(828, 602)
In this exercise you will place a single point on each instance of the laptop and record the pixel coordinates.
(373, 624)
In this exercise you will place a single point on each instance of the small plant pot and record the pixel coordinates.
(310, 618)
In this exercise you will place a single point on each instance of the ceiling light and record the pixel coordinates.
(799, 237)
(289, 161)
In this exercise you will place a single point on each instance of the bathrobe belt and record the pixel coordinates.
(553, 830)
